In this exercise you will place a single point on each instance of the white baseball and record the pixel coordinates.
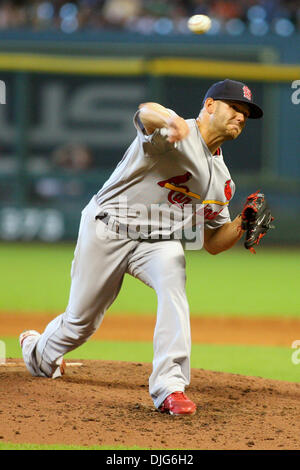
(199, 24)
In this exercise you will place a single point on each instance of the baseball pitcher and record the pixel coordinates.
(172, 176)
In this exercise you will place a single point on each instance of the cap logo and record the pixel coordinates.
(247, 93)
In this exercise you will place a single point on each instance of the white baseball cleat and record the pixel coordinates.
(27, 338)
(29, 335)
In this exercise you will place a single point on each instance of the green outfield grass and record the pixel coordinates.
(36, 278)
(260, 361)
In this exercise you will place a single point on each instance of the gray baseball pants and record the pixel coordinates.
(100, 262)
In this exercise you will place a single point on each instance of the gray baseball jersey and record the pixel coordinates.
(152, 171)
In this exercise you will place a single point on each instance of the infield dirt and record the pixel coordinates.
(107, 403)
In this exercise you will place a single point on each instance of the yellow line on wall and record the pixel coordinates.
(44, 63)
(70, 65)
(218, 69)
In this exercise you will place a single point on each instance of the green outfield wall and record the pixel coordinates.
(74, 99)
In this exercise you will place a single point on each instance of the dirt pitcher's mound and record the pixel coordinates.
(107, 403)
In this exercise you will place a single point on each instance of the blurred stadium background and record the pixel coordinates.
(74, 73)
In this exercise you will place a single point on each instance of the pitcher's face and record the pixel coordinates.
(229, 118)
